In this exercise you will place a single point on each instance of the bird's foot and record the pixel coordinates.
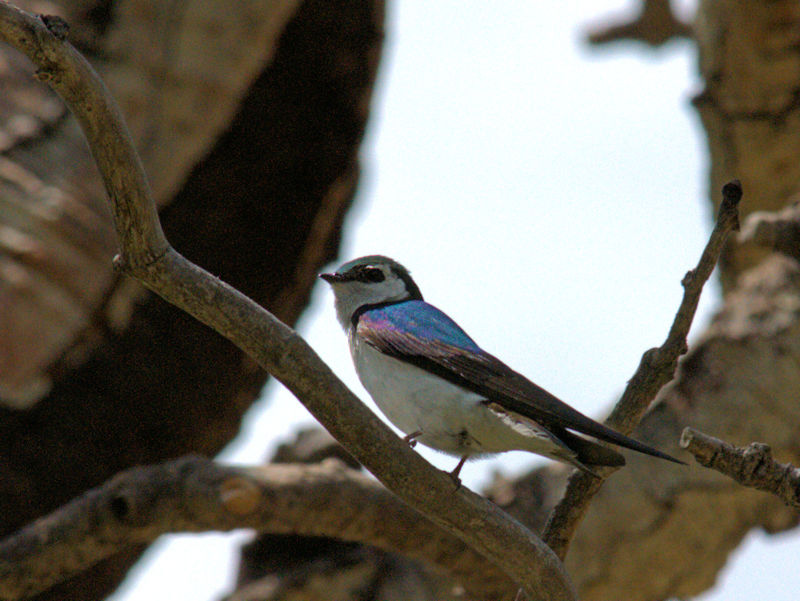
(454, 474)
(410, 439)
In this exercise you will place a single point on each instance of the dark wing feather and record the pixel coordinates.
(418, 333)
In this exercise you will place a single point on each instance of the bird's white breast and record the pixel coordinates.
(451, 419)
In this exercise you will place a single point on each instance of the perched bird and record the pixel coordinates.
(440, 388)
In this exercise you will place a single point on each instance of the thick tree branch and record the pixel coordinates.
(657, 367)
(194, 494)
(146, 255)
(751, 466)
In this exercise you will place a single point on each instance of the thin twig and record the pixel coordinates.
(194, 494)
(146, 255)
(655, 25)
(751, 466)
(657, 367)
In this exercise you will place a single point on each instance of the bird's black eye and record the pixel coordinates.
(371, 274)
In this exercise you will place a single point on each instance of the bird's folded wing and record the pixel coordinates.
(420, 334)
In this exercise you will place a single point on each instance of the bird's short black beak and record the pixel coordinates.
(332, 278)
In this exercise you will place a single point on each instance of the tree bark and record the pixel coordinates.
(254, 153)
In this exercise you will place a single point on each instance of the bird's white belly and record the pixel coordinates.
(450, 418)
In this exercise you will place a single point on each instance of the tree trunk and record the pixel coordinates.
(248, 116)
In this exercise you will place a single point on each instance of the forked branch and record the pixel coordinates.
(656, 368)
(194, 494)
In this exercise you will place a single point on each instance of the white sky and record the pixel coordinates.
(549, 198)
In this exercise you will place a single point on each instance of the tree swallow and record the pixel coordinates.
(440, 388)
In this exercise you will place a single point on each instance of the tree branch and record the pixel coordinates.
(655, 25)
(751, 466)
(194, 494)
(656, 368)
(146, 255)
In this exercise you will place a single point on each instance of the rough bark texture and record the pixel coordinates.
(249, 116)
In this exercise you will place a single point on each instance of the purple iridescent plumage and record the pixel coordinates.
(420, 320)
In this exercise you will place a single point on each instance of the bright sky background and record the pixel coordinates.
(548, 197)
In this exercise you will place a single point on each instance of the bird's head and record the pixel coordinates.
(368, 281)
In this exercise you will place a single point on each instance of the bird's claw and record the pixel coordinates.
(411, 439)
(454, 474)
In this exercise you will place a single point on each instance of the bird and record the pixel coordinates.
(437, 386)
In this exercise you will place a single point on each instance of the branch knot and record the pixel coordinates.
(56, 25)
